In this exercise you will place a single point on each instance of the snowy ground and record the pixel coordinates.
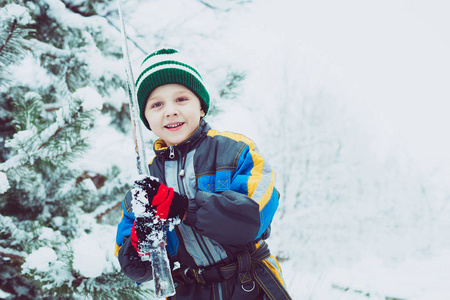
(370, 278)
(373, 279)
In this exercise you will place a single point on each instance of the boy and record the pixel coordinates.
(215, 184)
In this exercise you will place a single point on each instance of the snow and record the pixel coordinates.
(4, 184)
(30, 73)
(20, 138)
(93, 253)
(117, 99)
(4, 294)
(109, 147)
(57, 10)
(17, 143)
(48, 234)
(41, 259)
(372, 278)
(140, 200)
(20, 13)
(91, 98)
(89, 258)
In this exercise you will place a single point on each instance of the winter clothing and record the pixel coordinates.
(131, 263)
(220, 246)
(165, 202)
(168, 66)
(159, 205)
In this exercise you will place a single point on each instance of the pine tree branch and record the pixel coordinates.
(101, 215)
(216, 7)
(97, 179)
(13, 257)
(78, 280)
(65, 152)
(128, 37)
(207, 4)
(76, 9)
(49, 50)
(66, 122)
(11, 33)
(50, 138)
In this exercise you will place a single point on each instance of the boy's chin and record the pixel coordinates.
(176, 141)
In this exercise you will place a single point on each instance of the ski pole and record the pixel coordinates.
(162, 276)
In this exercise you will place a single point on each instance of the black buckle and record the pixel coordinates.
(212, 274)
(185, 276)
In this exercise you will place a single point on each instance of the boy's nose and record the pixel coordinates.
(171, 110)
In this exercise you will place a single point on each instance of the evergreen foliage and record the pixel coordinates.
(14, 43)
(14, 38)
(45, 128)
(231, 88)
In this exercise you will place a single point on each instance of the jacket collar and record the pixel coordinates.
(163, 151)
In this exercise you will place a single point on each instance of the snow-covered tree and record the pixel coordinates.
(51, 94)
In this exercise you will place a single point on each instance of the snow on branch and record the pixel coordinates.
(13, 235)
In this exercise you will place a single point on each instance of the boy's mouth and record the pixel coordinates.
(174, 126)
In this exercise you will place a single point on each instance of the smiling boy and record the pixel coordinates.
(217, 183)
(173, 113)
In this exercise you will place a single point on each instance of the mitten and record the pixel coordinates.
(156, 196)
(155, 206)
(146, 232)
(132, 265)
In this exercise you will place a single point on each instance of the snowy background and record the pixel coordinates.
(349, 101)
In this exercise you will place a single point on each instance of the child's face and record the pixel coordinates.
(173, 112)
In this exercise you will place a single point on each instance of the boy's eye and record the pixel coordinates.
(181, 99)
(156, 104)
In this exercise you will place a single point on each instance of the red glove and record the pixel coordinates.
(158, 204)
(164, 200)
(146, 234)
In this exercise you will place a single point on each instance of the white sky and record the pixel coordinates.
(390, 59)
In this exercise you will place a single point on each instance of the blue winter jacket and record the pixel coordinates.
(232, 198)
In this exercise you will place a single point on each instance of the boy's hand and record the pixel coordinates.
(156, 196)
(155, 206)
(146, 234)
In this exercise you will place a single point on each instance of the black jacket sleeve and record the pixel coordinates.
(229, 217)
(132, 265)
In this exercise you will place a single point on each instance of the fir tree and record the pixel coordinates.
(46, 201)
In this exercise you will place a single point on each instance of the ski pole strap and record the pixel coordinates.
(249, 267)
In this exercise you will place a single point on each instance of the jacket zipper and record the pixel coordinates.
(181, 174)
(181, 180)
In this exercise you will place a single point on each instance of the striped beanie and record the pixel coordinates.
(167, 66)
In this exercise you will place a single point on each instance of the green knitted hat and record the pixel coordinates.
(163, 67)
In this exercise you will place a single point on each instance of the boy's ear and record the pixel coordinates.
(202, 113)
